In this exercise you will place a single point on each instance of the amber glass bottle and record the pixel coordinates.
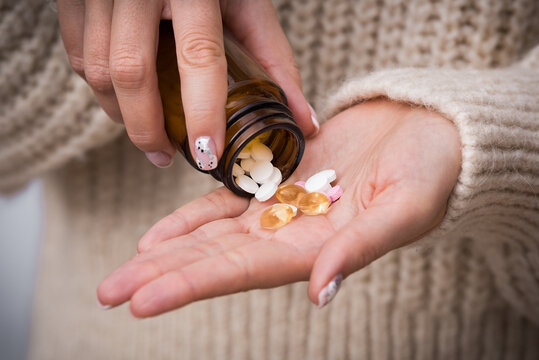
(256, 108)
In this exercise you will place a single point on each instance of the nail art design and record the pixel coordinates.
(205, 153)
(314, 118)
(328, 293)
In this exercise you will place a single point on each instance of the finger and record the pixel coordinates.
(253, 23)
(121, 284)
(71, 19)
(258, 264)
(97, 22)
(219, 204)
(133, 49)
(374, 232)
(202, 65)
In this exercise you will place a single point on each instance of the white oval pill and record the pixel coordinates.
(294, 209)
(247, 164)
(330, 174)
(247, 184)
(276, 176)
(261, 152)
(237, 170)
(261, 171)
(266, 191)
(317, 183)
(244, 154)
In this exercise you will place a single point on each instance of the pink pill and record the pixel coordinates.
(334, 193)
(300, 183)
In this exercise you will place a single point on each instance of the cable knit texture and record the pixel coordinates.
(472, 292)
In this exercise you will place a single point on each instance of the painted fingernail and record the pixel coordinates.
(206, 156)
(159, 159)
(314, 119)
(329, 291)
(103, 307)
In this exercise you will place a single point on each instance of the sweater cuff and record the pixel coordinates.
(495, 198)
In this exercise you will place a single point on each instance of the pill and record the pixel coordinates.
(261, 171)
(334, 193)
(247, 164)
(329, 174)
(300, 183)
(276, 177)
(314, 203)
(276, 216)
(317, 183)
(265, 191)
(237, 170)
(245, 153)
(247, 184)
(294, 209)
(290, 194)
(261, 152)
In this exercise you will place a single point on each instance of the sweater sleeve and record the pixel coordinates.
(496, 198)
(48, 115)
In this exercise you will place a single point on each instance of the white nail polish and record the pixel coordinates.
(314, 119)
(329, 291)
(103, 307)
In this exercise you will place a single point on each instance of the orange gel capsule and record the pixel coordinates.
(314, 203)
(290, 194)
(276, 216)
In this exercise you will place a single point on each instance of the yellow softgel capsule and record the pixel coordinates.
(290, 194)
(276, 216)
(314, 203)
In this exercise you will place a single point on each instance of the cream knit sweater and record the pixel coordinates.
(470, 291)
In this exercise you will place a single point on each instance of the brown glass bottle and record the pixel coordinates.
(256, 108)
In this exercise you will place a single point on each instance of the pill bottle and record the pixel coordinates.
(256, 110)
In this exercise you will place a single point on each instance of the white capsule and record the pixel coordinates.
(261, 152)
(247, 164)
(330, 174)
(247, 184)
(276, 177)
(266, 191)
(244, 154)
(317, 183)
(294, 209)
(261, 171)
(237, 170)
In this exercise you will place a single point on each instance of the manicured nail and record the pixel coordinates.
(159, 159)
(328, 293)
(103, 307)
(314, 119)
(205, 153)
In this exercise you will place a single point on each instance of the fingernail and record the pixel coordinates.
(159, 159)
(314, 119)
(103, 307)
(328, 293)
(205, 153)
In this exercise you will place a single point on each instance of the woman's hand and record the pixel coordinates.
(397, 166)
(113, 46)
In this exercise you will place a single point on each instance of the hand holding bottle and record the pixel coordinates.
(397, 166)
(113, 46)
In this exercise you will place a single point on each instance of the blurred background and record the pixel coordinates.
(20, 232)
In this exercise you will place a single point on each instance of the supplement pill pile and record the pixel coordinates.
(312, 197)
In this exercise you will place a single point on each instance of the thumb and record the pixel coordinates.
(374, 232)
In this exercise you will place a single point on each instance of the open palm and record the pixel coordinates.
(397, 166)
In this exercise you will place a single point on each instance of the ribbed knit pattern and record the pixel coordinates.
(468, 291)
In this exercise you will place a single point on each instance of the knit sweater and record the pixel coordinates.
(470, 290)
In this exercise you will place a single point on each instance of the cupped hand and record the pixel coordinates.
(397, 166)
(112, 44)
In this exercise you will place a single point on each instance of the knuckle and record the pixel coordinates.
(128, 68)
(144, 140)
(77, 64)
(199, 51)
(98, 75)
